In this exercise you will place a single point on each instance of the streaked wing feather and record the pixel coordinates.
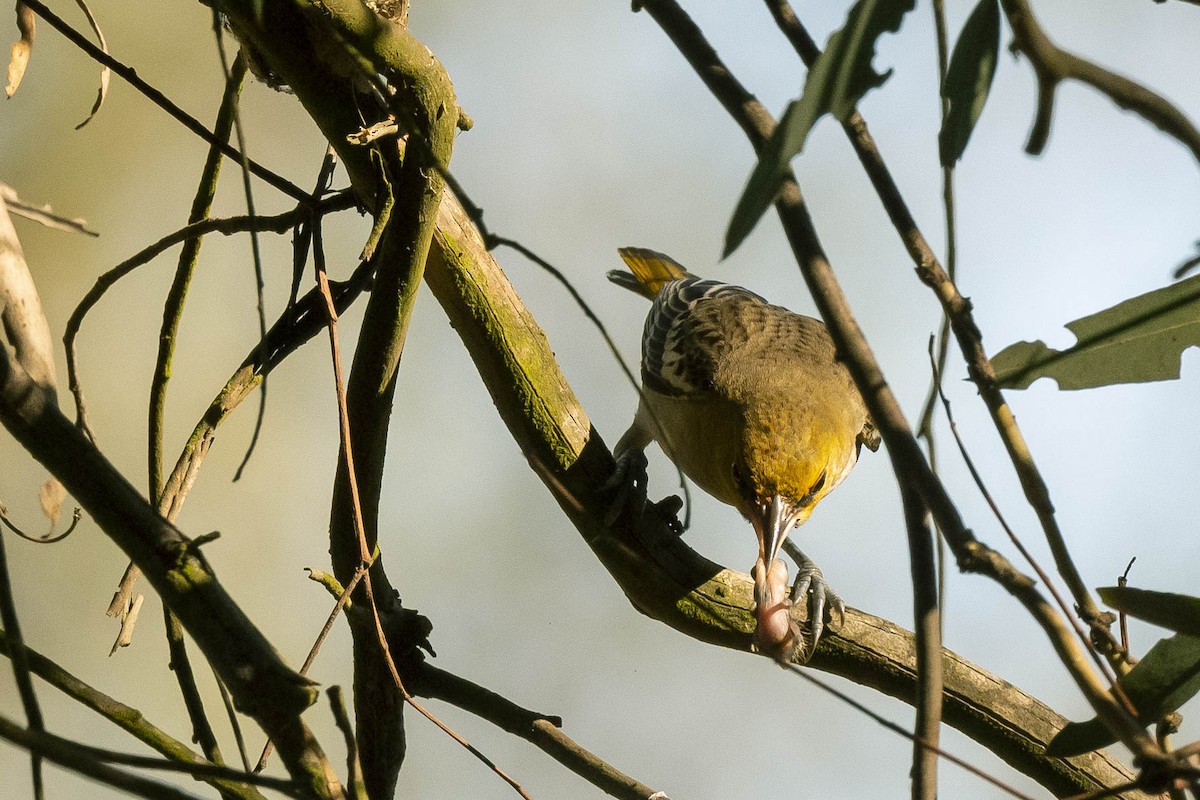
(680, 344)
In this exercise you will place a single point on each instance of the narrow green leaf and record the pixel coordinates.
(841, 75)
(1139, 340)
(1176, 612)
(1161, 682)
(969, 79)
(1077, 738)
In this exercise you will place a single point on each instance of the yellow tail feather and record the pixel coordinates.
(650, 271)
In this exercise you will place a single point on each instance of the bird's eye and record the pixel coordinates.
(820, 484)
(740, 479)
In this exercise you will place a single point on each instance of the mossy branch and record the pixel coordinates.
(662, 577)
(342, 60)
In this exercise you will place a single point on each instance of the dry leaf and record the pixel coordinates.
(52, 495)
(104, 73)
(21, 49)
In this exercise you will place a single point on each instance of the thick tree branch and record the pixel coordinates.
(330, 52)
(662, 577)
(905, 451)
(127, 718)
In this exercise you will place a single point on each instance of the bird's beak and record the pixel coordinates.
(775, 525)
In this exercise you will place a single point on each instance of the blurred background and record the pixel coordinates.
(591, 132)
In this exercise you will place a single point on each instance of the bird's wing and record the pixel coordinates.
(686, 334)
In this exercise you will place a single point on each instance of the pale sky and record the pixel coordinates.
(592, 133)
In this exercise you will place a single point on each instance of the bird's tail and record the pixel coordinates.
(650, 270)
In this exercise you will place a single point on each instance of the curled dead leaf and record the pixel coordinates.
(105, 72)
(52, 494)
(21, 49)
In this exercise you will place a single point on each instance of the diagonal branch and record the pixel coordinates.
(905, 451)
(262, 685)
(127, 718)
(957, 310)
(664, 578)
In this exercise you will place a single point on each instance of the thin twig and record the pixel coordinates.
(342, 602)
(12, 526)
(927, 625)
(894, 728)
(43, 215)
(971, 554)
(1123, 618)
(234, 722)
(337, 703)
(181, 665)
(160, 100)
(925, 426)
(20, 665)
(255, 249)
(1052, 65)
(1043, 576)
(185, 268)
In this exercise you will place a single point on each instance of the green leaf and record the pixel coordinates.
(841, 75)
(969, 79)
(1136, 341)
(1176, 612)
(1161, 682)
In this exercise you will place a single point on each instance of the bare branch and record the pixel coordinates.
(43, 215)
(662, 577)
(158, 98)
(1053, 65)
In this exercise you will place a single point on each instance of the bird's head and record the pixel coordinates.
(774, 508)
(782, 478)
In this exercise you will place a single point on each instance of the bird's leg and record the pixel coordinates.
(627, 485)
(821, 598)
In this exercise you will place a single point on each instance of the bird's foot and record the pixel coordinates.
(776, 633)
(822, 599)
(669, 507)
(627, 490)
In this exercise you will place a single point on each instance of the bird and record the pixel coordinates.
(752, 403)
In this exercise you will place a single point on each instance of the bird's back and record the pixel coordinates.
(751, 402)
(709, 347)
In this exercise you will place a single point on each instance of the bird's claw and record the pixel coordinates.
(778, 635)
(822, 598)
(669, 507)
(627, 487)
